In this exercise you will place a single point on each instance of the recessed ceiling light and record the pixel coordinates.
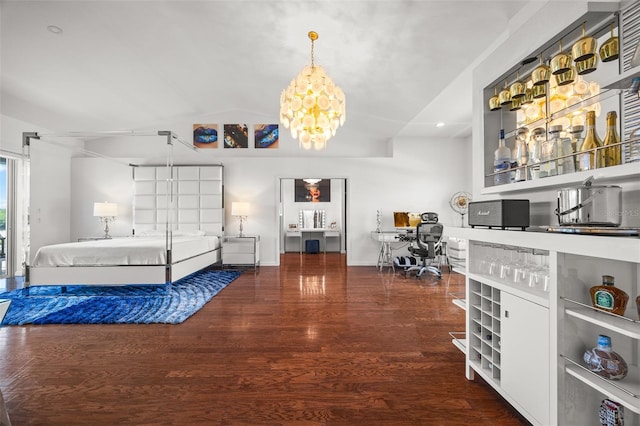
(54, 29)
(439, 124)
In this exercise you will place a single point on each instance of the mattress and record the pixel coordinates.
(124, 251)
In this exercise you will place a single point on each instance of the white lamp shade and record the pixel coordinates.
(239, 209)
(105, 209)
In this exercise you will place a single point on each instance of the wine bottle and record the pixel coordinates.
(502, 162)
(610, 155)
(587, 157)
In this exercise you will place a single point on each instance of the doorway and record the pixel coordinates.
(294, 231)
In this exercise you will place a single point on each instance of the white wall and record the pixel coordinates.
(415, 175)
(421, 176)
(99, 180)
(50, 201)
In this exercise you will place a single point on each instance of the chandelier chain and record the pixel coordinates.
(313, 36)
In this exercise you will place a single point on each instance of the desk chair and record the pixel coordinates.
(428, 247)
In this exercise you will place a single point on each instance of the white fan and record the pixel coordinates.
(460, 204)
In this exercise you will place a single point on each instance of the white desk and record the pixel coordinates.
(385, 255)
(326, 233)
(385, 238)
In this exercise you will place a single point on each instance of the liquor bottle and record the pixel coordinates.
(502, 161)
(521, 155)
(535, 151)
(576, 143)
(610, 155)
(587, 158)
(549, 165)
(603, 361)
(611, 413)
(566, 162)
(608, 297)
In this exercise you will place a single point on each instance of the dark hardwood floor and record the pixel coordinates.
(310, 342)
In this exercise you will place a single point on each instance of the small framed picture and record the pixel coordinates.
(293, 226)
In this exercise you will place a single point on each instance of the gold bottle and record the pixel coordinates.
(587, 158)
(608, 297)
(610, 155)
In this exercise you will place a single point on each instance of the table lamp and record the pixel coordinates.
(240, 209)
(107, 212)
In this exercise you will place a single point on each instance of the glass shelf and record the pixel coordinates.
(625, 391)
(584, 103)
(459, 300)
(459, 340)
(595, 150)
(534, 295)
(606, 174)
(620, 324)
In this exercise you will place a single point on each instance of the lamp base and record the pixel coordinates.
(106, 221)
(241, 222)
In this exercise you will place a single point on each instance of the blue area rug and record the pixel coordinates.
(133, 304)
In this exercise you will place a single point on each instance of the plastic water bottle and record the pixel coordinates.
(502, 162)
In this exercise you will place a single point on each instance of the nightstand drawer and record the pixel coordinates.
(239, 259)
(236, 247)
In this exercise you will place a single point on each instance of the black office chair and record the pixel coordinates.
(428, 247)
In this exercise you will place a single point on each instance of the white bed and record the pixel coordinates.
(122, 261)
(124, 251)
(176, 215)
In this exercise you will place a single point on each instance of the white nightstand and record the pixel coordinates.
(241, 251)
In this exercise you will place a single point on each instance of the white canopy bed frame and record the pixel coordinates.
(173, 206)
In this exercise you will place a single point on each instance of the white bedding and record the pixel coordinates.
(124, 251)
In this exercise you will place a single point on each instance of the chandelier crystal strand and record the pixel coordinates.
(312, 107)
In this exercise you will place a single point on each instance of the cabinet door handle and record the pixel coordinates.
(506, 314)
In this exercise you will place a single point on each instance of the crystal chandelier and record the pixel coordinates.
(312, 107)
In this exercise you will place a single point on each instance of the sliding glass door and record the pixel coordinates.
(3, 217)
(10, 262)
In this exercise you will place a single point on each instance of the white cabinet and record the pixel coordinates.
(580, 325)
(525, 355)
(509, 345)
(531, 349)
(484, 331)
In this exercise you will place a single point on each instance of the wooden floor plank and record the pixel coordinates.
(310, 342)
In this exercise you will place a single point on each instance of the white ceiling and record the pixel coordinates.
(141, 64)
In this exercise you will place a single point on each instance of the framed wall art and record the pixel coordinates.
(312, 190)
(266, 135)
(205, 135)
(236, 136)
